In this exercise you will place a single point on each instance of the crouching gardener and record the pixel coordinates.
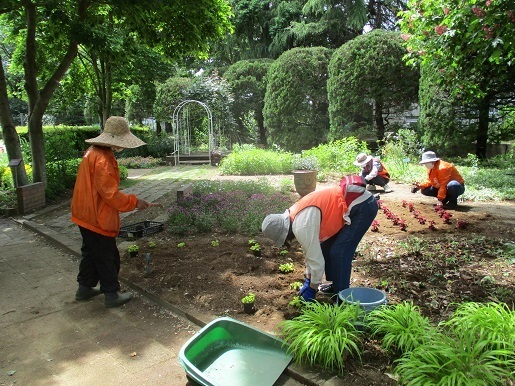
(329, 224)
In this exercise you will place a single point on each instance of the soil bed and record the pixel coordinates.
(434, 268)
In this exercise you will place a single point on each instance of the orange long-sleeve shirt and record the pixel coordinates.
(439, 176)
(97, 200)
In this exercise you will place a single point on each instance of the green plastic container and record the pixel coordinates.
(229, 352)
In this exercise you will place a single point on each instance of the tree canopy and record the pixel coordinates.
(472, 44)
(48, 34)
(295, 111)
(247, 79)
(368, 74)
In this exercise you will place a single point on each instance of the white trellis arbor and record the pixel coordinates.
(182, 133)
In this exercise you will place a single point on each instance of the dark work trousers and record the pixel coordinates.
(379, 181)
(454, 189)
(339, 250)
(100, 261)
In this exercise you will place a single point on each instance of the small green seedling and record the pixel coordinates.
(283, 252)
(250, 298)
(286, 268)
(252, 242)
(133, 248)
(296, 302)
(255, 248)
(215, 243)
(152, 244)
(181, 245)
(296, 285)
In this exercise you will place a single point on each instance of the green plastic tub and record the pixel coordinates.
(229, 352)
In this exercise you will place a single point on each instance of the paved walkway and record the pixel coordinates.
(48, 338)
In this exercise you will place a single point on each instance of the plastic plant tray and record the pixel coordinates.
(140, 229)
(229, 352)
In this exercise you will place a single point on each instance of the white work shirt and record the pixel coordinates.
(306, 228)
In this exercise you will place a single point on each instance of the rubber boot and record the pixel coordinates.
(85, 293)
(115, 299)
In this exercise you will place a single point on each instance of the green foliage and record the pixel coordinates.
(493, 323)
(251, 161)
(247, 79)
(286, 268)
(168, 95)
(61, 176)
(401, 327)
(323, 335)
(451, 361)
(250, 298)
(124, 172)
(337, 156)
(229, 207)
(139, 162)
(444, 125)
(296, 285)
(296, 103)
(301, 162)
(365, 74)
(471, 44)
(133, 248)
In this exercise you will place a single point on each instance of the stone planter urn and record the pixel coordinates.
(305, 181)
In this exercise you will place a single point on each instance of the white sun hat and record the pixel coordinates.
(362, 159)
(276, 227)
(428, 156)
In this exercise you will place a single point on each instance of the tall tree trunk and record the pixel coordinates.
(38, 100)
(378, 119)
(482, 127)
(11, 138)
(258, 115)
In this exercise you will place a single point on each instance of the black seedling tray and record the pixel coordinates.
(140, 229)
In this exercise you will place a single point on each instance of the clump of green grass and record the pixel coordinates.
(323, 334)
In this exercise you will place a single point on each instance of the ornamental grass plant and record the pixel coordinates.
(323, 334)
(449, 360)
(401, 327)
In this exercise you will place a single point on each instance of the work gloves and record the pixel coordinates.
(415, 188)
(306, 292)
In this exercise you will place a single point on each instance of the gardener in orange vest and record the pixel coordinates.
(443, 181)
(373, 171)
(329, 224)
(96, 204)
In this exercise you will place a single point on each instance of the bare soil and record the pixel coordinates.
(460, 263)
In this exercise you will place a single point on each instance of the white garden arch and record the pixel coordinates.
(181, 130)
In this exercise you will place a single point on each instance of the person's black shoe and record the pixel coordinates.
(326, 289)
(85, 293)
(450, 206)
(116, 299)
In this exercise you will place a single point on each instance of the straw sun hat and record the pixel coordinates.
(116, 133)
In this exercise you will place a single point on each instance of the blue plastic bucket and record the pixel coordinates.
(367, 298)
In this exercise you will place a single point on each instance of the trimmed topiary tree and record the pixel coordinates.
(368, 76)
(295, 111)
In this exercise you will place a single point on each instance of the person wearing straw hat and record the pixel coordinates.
(96, 205)
(373, 171)
(443, 181)
(329, 224)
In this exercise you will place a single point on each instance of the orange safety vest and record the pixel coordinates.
(332, 205)
(97, 200)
